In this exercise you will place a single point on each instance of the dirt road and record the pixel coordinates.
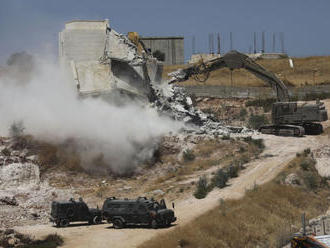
(260, 171)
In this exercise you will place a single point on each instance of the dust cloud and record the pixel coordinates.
(119, 137)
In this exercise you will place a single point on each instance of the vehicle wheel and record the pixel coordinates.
(58, 223)
(64, 222)
(118, 224)
(154, 224)
(167, 223)
(97, 220)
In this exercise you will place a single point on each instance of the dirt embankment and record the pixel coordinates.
(260, 171)
(279, 150)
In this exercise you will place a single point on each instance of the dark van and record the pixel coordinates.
(62, 213)
(140, 211)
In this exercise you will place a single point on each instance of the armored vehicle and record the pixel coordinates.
(62, 213)
(140, 211)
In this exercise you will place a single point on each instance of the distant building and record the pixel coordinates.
(171, 46)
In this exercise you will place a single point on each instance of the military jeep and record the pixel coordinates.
(62, 213)
(140, 211)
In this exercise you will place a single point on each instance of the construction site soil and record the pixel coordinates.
(163, 180)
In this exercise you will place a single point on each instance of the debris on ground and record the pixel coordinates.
(11, 238)
(173, 101)
(24, 198)
(8, 200)
(128, 67)
(322, 156)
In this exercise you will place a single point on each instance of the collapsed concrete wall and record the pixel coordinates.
(91, 37)
(101, 61)
(123, 66)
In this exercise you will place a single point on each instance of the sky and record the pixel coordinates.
(33, 25)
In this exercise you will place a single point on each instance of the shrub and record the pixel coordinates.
(225, 137)
(51, 241)
(247, 139)
(55, 239)
(242, 114)
(242, 149)
(48, 154)
(310, 180)
(5, 152)
(16, 129)
(183, 243)
(307, 151)
(101, 191)
(202, 188)
(220, 179)
(232, 171)
(256, 121)
(188, 155)
(307, 163)
(259, 143)
(245, 158)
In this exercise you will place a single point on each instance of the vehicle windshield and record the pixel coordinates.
(153, 205)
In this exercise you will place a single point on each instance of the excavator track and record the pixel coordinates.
(313, 128)
(283, 130)
(288, 117)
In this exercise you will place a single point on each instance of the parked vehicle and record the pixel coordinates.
(62, 213)
(140, 211)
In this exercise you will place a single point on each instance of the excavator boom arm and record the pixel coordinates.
(234, 60)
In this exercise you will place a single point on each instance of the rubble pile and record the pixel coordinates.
(173, 101)
(11, 238)
(126, 66)
(322, 156)
(23, 197)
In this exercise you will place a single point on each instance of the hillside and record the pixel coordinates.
(307, 71)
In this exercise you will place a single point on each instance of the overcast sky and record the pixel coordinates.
(33, 25)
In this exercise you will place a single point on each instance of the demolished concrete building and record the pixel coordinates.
(101, 61)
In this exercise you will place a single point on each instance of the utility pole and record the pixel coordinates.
(303, 223)
(209, 43)
(263, 42)
(193, 44)
(254, 42)
(282, 42)
(218, 39)
(212, 43)
(231, 41)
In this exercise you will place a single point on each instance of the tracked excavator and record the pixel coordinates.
(288, 118)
